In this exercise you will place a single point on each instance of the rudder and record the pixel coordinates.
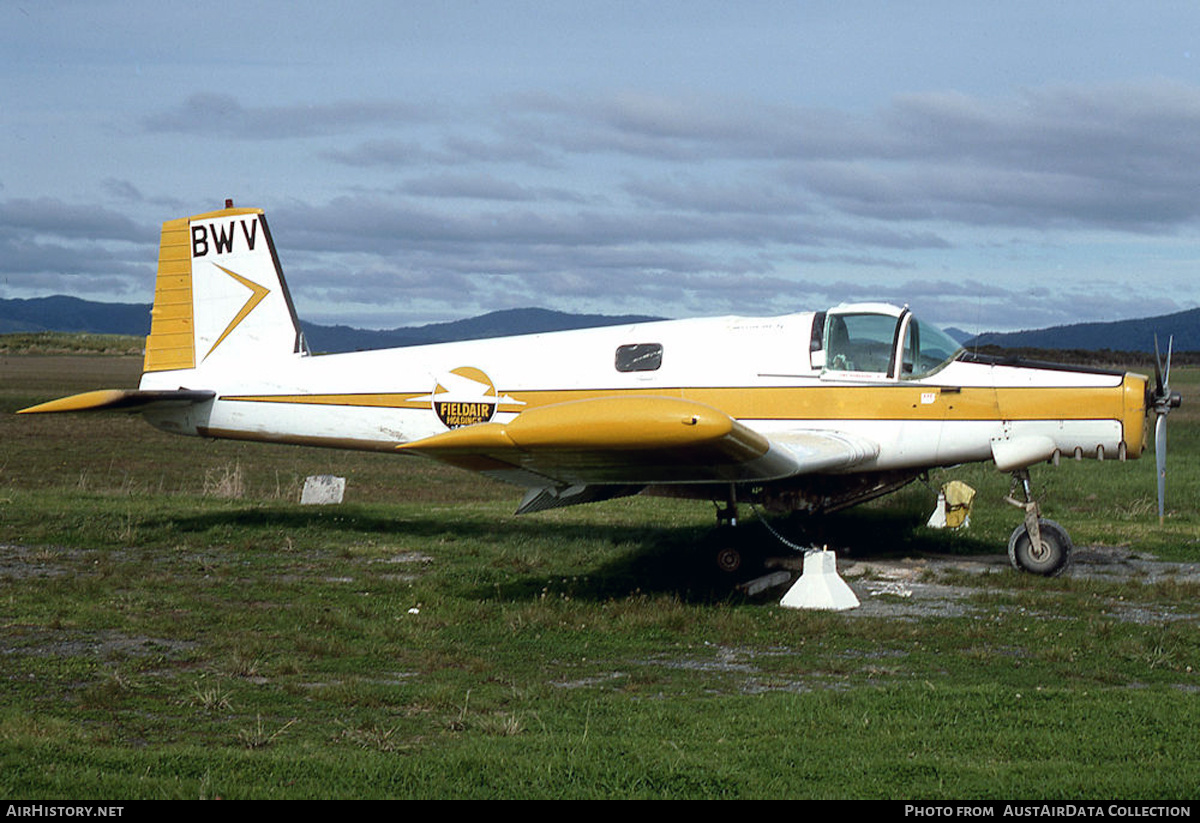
(220, 293)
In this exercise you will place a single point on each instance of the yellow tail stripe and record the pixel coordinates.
(171, 344)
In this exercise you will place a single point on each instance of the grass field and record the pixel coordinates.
(174, 625)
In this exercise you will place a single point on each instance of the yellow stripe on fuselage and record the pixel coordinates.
(894, 402)
(364, 400)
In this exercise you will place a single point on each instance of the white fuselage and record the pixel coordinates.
(759, 371)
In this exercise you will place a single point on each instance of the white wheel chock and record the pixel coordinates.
(820, 587)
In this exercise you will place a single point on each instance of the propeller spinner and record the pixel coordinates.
(1162, 401)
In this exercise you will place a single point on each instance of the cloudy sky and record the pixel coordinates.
(994, 165)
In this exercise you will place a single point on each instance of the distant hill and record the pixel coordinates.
(493, 324)
(70, 314)
(1120, 335)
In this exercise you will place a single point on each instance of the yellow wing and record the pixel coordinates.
(636, 441)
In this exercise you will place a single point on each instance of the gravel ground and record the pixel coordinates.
(910, 587)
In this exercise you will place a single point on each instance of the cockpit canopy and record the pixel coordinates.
(881, 340)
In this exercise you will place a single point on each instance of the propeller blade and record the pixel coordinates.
(1167, 370)
(1158, 377)
(1160, 461)
(1164, 400)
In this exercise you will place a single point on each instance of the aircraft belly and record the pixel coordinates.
(361, 428)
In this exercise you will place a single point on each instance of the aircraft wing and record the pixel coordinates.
(636, 441)
(130, 400)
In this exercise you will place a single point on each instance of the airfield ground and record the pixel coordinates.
(916, 588)
(174, 624)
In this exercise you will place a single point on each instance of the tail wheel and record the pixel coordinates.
(1047, 559)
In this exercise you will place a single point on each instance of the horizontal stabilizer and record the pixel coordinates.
(127, 400)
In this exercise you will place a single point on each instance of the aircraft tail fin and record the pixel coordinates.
(220, 296)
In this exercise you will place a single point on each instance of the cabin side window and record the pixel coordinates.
(816, 341)
(860, 342)
(926, 350)
(639, 357)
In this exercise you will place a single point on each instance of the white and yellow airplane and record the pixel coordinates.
(812, 411)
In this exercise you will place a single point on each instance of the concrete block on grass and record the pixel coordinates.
(322, 489)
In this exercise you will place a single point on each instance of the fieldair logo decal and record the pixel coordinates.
(466, 396)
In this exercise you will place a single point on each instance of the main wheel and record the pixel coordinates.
(728, 559)
(1049, 559)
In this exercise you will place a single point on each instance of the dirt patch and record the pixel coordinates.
(910, 588)
(22, 563)
(1123, 564)
(100, 645)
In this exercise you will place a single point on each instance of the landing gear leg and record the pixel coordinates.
(727, 515)
(1038, 545)
(727, 556)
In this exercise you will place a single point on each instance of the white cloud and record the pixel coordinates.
(452, 159)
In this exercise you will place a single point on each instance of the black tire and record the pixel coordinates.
(727, 559)
(1055, 552)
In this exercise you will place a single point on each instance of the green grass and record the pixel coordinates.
(55, 343)
(161, 640)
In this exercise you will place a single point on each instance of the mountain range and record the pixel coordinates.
(1119, 335)
(71, 314)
